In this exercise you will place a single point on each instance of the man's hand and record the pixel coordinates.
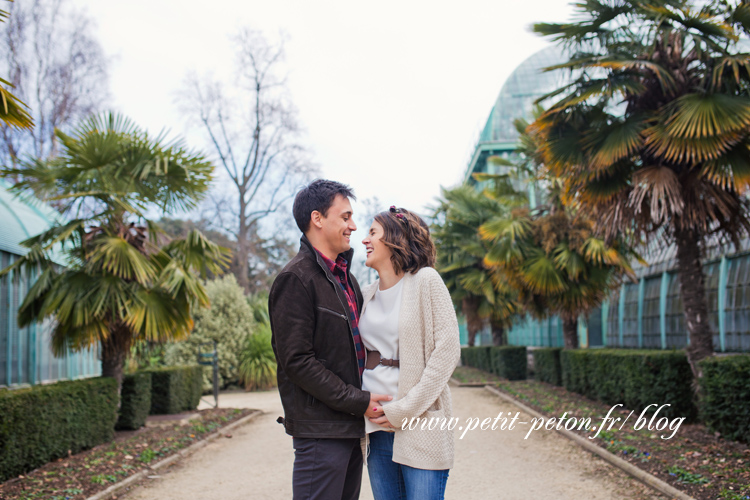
(375, 409)
(382, 421)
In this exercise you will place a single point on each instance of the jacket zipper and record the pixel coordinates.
(331, 311)
(348, 322)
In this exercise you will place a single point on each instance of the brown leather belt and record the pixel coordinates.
(374, 359)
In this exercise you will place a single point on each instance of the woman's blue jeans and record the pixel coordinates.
(392, 481)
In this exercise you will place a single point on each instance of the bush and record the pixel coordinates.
(509, 361)
(547, 365)
(175, 389)
(135, 401)
(46, 422)
(725, 400)
(635, 378)
(477, 357)
(229, 321)
(484, 358)
(257, 361)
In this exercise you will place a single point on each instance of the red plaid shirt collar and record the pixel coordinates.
(340, 262)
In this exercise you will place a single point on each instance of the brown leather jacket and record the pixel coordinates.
(319, 381)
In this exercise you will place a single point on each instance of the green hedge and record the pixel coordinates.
(135, 401)
(635, 378)
(46, 422)
(725, 400)
(175, 389)
(477, 357)
(547, 366)
(505, 361)
(509, 361)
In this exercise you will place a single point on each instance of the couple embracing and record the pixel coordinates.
(355, 364)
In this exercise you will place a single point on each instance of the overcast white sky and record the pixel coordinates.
(392, 94)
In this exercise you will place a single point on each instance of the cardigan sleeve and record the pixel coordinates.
(443, 359)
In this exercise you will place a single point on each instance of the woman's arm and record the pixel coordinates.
(443, 359)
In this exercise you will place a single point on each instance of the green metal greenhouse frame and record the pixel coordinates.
(26, 357)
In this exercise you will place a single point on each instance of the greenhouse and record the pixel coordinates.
(25, 353)
(646, 313)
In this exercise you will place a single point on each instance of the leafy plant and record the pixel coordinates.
(684, 476)
(257, 361)
(147, 455)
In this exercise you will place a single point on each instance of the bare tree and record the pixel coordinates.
(57, 68)
(253, 132)
(369, 208)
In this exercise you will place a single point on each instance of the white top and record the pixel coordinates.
(378, 327)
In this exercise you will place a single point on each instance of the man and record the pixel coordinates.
(314, 307)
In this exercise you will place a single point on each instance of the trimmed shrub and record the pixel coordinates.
(725, 401)
(509, 361)
(547, 365)
(476, 357)
(229, 321)
(46, 422)
(484, 358)
(635, 378)
(175, 389)
(469, 356)
(573, 366)
(135, 401)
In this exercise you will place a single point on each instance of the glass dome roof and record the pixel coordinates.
(22, 218)
(526, 84)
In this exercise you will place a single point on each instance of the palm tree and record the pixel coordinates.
(555, 262)
(550, 254)
(121, 283)
(477, 291)
(652, 135)
(12, 111)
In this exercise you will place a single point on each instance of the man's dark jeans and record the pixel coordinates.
(327, 469)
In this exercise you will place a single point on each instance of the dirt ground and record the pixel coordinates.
(257, 462)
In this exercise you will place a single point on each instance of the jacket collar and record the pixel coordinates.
(309, 250)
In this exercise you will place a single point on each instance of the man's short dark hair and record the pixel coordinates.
(318, 195)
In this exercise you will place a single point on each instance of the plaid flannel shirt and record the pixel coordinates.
(338, 269)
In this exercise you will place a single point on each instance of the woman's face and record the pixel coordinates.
(378, 254)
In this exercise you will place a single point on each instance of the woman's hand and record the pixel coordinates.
(376, 405)
(382, 421)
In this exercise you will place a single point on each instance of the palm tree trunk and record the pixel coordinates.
(498, 333)
(470, 309)
(112, 363)
(693, 294)
(115, 350)
(570, 332)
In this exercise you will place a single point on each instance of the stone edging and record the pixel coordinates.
(639, 474)
(129, 481)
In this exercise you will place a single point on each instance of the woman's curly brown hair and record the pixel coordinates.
(408, 237)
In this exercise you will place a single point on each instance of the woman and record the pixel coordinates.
(409, 329)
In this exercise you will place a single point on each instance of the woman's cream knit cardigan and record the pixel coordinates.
(429, 349)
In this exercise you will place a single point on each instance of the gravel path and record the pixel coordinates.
(256, 463)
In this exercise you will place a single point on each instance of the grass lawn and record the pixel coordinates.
(695, 460)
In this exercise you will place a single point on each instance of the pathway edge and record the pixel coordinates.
(129, 481)
(641, 475)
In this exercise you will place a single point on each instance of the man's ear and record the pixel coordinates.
(315, 219)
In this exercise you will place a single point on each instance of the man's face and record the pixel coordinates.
(338, 225)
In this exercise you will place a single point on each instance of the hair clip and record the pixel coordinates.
(394, 209)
